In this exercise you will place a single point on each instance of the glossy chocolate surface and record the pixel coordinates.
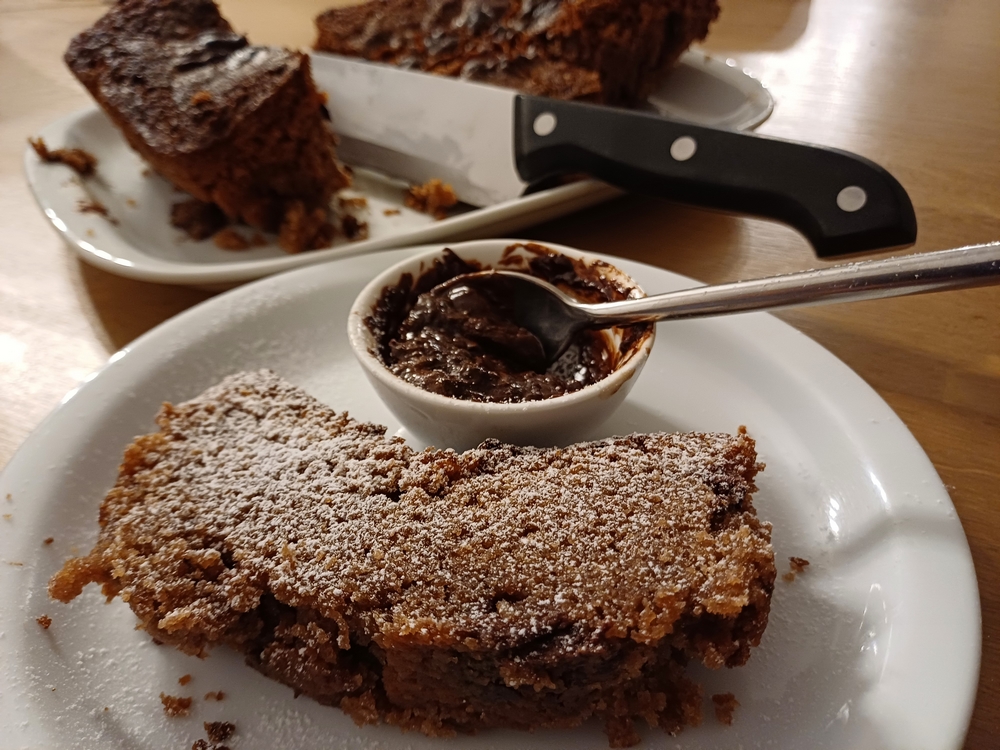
(610, 51)
(460, 341)
(177, 71)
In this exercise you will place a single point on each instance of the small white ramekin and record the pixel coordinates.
(448, 422)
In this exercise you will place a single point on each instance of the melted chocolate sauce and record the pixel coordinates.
(460, 341)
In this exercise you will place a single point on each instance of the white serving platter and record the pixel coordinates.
(137, 241)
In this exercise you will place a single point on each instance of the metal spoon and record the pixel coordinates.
(554, 317)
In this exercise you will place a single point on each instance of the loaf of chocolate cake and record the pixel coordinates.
(608, 51)
(442, 592)
(233, 124)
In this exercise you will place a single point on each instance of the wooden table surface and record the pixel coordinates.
(912, 84)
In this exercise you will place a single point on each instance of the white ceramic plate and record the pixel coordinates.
(141, 244)
(875, 647)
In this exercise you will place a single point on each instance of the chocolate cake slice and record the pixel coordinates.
(608, 51)
(233, 124)
(442, 592)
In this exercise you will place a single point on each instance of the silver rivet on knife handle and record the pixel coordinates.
(851, 198)
(544, 124)
(683, 148)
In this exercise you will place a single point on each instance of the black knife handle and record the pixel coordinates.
(816, 190)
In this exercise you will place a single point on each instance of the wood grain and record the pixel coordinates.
(912, 84)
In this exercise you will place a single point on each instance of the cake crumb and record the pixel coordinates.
(198, 219)
(302, 229)
(217, 695)
(175, 706)
(258, 240)
(48, 540)
(95, 207)
(8, 516)
(354, 229)
(230, 239)
(184, 680)
(44, 621)
(725, 705)
(433, 197)
(147, 172)
(15, 563)
(82, 162)
(219, 731)
(9, 498)
(89, 232)
(130, 202)
(392, 212)
(201, 97)
(359, 202)
(796, 565)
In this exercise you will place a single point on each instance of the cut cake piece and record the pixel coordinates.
(233, 124)
(443, 592)
(607, 51)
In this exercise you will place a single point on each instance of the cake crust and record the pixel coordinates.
(442, 592)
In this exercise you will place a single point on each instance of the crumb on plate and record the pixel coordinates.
(354, 229)
(433, 197)
(302, 229)
(359, 202)
(95, 207)
(175, 706)
(796, 565)
(219, 731)
(725, 706)
(82, 162)
(229, 239)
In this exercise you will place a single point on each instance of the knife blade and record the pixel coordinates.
(491, 144)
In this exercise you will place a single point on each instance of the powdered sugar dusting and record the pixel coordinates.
(255, 491)
(324, 511)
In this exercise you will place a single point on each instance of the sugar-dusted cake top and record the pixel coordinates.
(268, 491)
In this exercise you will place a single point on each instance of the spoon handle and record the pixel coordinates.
(964, 267)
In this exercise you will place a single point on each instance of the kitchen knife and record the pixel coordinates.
(491, 144)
